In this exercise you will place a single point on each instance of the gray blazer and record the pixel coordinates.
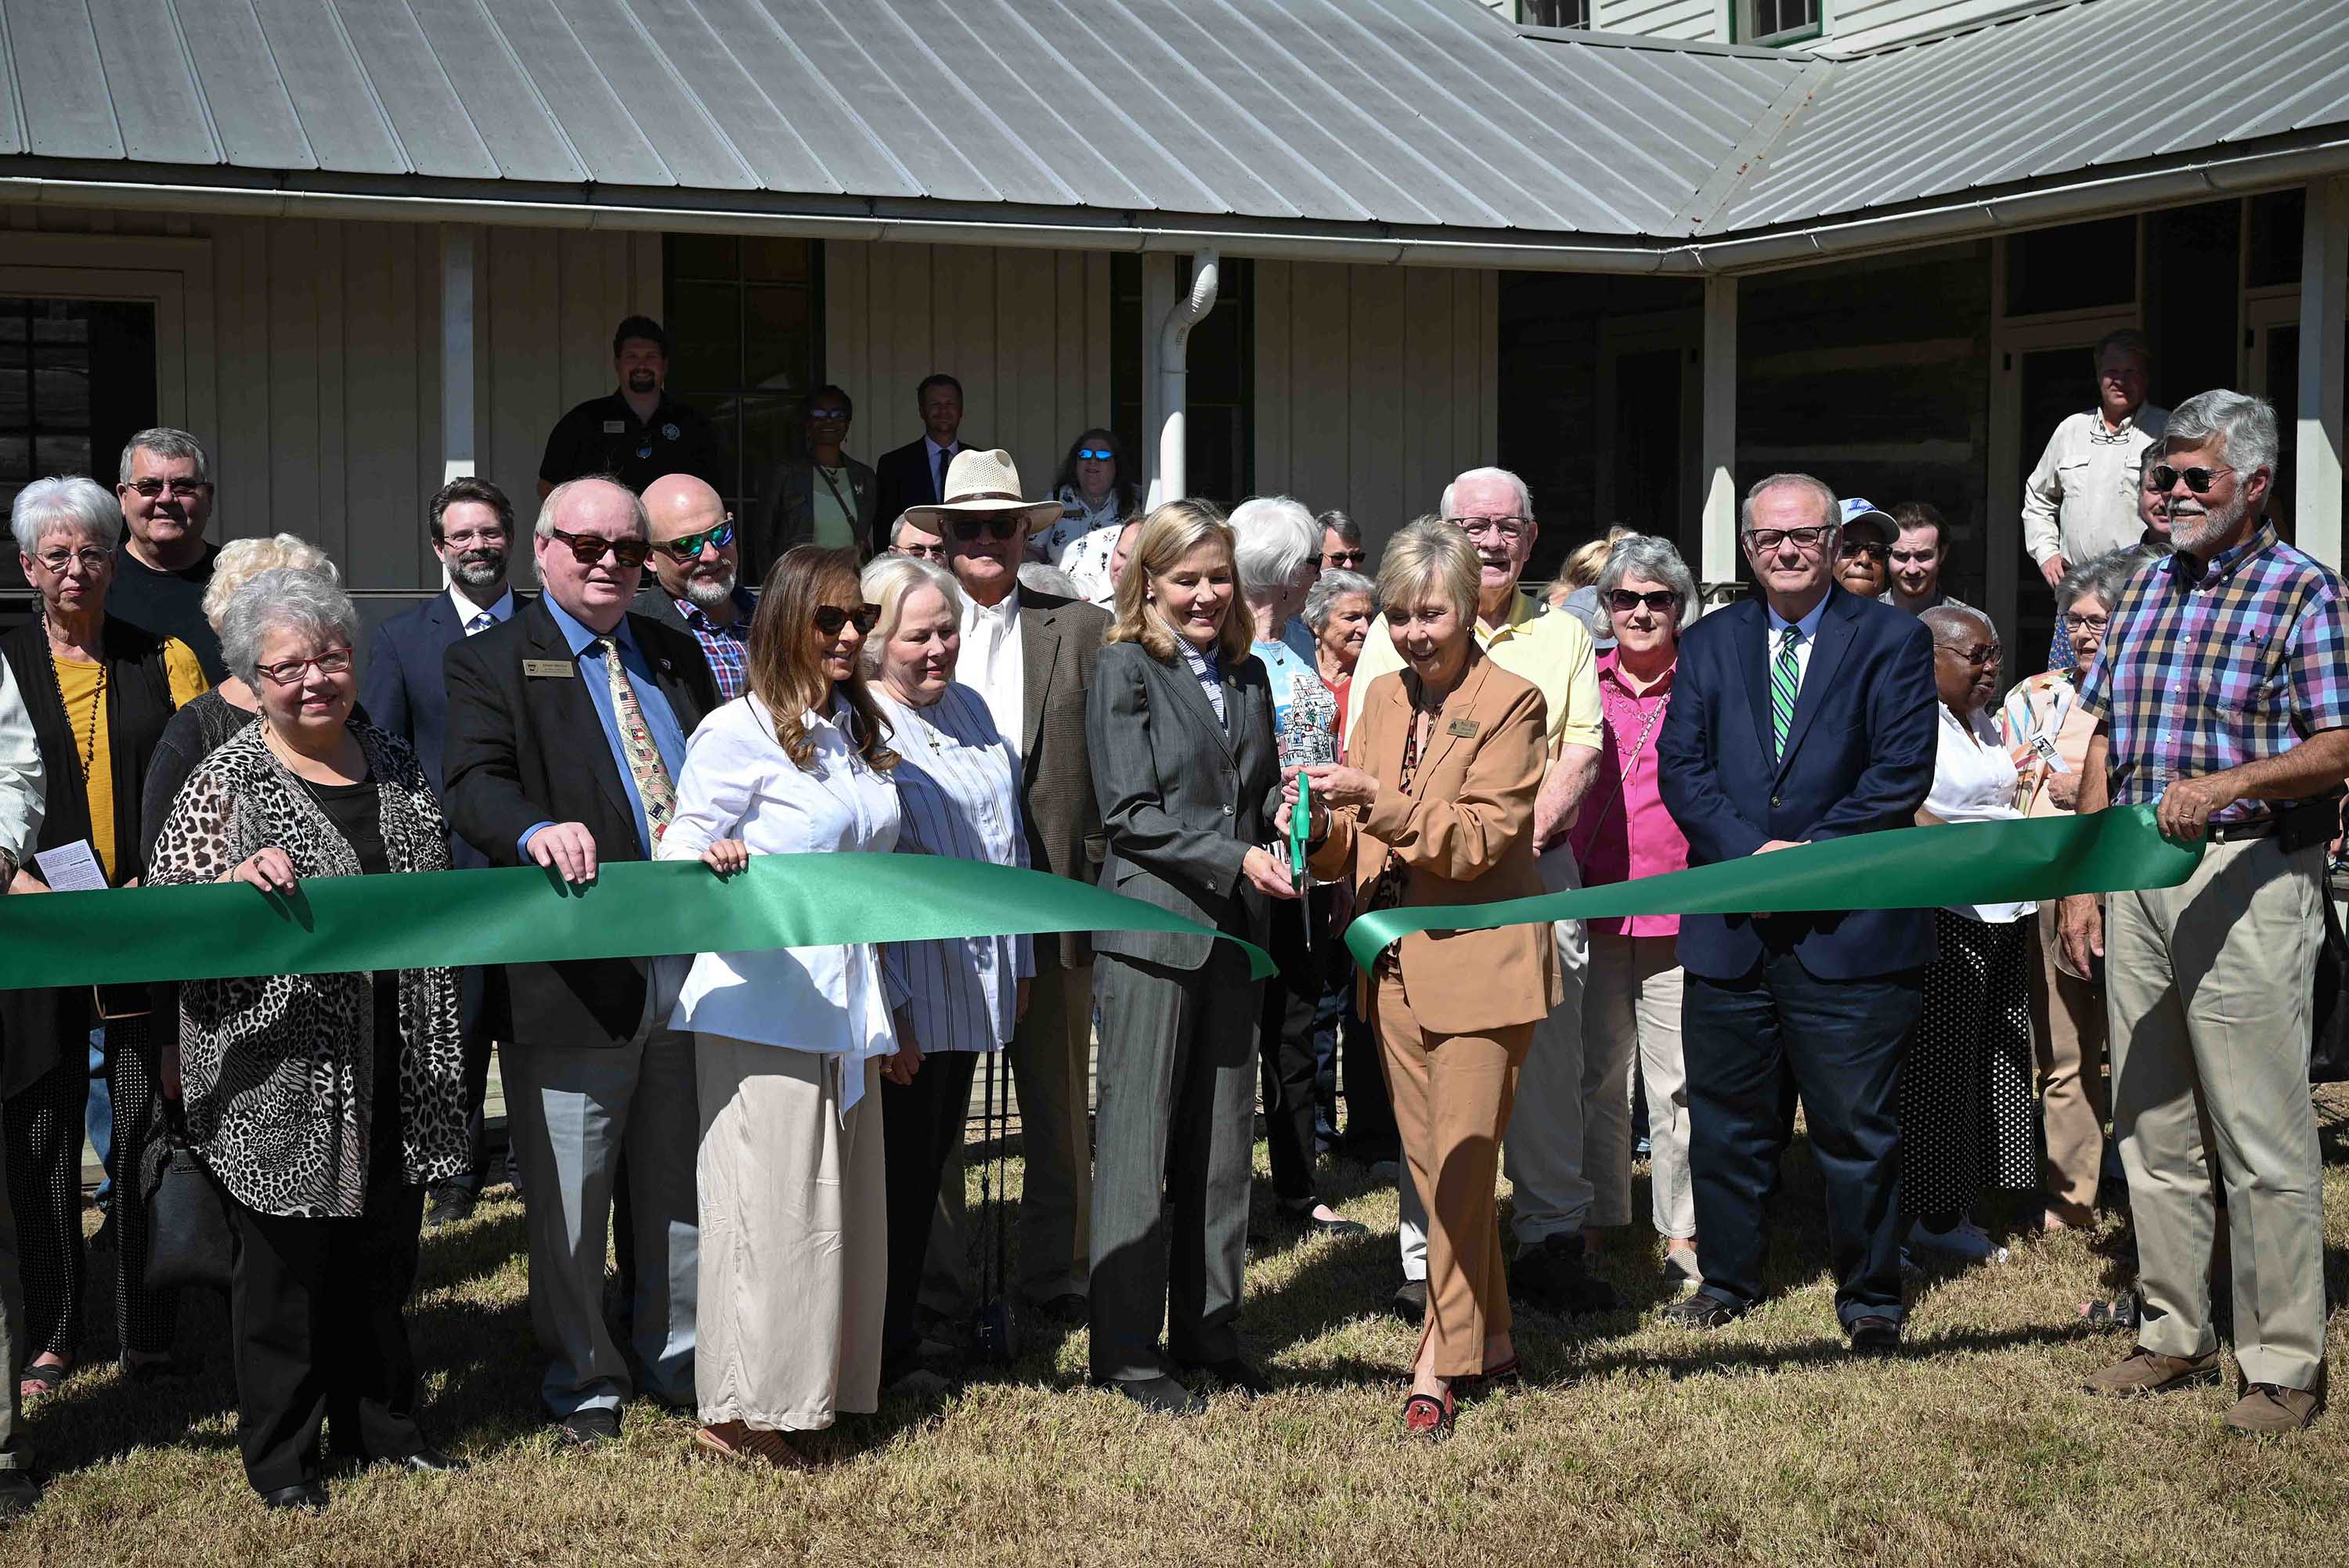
(1183, 798)
(785, 514)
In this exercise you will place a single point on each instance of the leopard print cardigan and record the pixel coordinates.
(278, 1069)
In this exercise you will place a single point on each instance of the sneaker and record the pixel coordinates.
(2146, 1372)
(2270, 1409)
(1964, 1240)
(1679, 1270)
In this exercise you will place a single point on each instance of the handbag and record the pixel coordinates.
(2328, 1056)
(187, 1218)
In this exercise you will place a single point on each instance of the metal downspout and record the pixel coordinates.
(1175, 373)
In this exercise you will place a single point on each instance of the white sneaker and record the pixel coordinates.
(1964, 1240)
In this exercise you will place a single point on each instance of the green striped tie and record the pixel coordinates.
(1786, 679)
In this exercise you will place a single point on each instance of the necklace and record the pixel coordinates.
(85, 751)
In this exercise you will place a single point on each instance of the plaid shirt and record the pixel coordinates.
(727, 648)
(2198, 674)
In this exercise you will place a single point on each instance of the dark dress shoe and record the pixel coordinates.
(432, 1461)
(1875, 1335)
(592, 1427)
(1234, 1373)
(310, 1496)
(1700, 1309)
(1161, 1394)
(449, 1206)
(1553, 1276)
(1068, 1308)
(1410, 1302)
(20, 1493)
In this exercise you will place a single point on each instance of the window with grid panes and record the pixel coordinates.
(1778, 21)
(76, 380)
(1553, 12)
(744, 317)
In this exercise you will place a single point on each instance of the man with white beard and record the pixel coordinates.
(695, 562)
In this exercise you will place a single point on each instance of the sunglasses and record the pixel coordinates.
(588, 548)
(1096, 454)
(830, 618)
(688, 546)
(968, 528)
(2198, 480)
(1662, 602)
(829, 416)
(1336, 559)
(1875, 550)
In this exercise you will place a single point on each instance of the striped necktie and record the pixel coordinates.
(480, 622)
(1786, 680)
(654, 787)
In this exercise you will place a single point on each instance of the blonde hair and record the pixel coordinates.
(1168, 534)
(1585, 562)
(1430, 554)
(888, 582)
(243, 559)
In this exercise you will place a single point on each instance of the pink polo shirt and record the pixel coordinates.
(1623, 831)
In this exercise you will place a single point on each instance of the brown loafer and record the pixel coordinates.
(2145, 1372)
(749, 1445)
(2270, 1409)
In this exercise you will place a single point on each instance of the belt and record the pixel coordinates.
(2249, 828)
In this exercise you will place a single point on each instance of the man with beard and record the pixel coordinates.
(637, 434)
(2221, 701)
(165, 485)
(402, 688)
(695, 562)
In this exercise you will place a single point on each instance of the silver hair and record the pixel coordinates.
(897, 530)
(284, 598)
(165, 442)
(1331, 587)
(1955, 615)
(1043, 577)
(1525, 494)
(887, 580)
(1830, 508)
(1344, 527)
(53, 505)
(241, 561)
(1658, 561)
(1273, 535)
(551, 508)
(2101, 578)
(2245, 428)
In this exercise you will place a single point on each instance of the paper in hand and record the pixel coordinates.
(71, 868)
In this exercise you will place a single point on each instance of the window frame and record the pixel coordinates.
(1743, 29)
(750, 469)
(1582, 27)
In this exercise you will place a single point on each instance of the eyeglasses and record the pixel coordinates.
(1511, 529)
(924, 551)
(966, 529)
(830, 618)
(156, 489)
(467, 540)
(2086, 623)
(588, 548)
(1765, 540)
(1340, 559)
(1980, 656)
(333, 662)
(1662, 602)
(90, 557)
(828, 416)
(1875, 550)
(2198, 480)
(1096, 454)
(688, 546)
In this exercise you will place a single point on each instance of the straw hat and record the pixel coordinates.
(985, 484)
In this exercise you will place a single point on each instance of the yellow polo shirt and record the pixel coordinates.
(1547, 647)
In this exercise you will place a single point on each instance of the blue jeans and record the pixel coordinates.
(97, 1117)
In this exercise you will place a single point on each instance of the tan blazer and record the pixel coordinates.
(1466, 834)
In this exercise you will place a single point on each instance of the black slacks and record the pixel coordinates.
(1841, 1042)
(1285, 1057)
(921, 1125)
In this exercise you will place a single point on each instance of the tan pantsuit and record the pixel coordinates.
(2068, 1027)
(794, 1237)
(1450, 1092)
(2209, 1001)
(1632, 1002)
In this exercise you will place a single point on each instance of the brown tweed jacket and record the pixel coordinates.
(1059, 638)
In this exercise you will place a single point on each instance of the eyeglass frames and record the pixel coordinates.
(968, 528)
(589, 548)
(689, 546)
(1096, 454)
(155, 490)
(1874, 549)
(1662, 602)
(2198, 480)
(89, 557)
(830, 618)
(1766, 539)
(333, 662)
(1511, 529)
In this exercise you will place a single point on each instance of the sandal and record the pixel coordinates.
(41, 1378)
(1427, 1416)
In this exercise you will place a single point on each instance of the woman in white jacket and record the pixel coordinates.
(790, 1043)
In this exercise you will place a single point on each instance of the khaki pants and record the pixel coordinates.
(1632, 1002)
(2208, 996)
(794, 1237)
(1453, 1094)
(2067, 1016)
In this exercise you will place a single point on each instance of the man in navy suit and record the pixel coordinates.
(404, 691)
(1804, 713)
(916, 473)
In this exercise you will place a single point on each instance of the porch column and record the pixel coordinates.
(2323, 305)
(1717, 449)
(457, 435)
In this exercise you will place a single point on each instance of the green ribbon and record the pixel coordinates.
(333, 925)
(1910, 868)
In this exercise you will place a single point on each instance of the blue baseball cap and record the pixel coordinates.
(1859, 513)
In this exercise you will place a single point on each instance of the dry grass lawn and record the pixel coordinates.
(1760, 1444)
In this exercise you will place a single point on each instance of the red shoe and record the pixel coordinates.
(1428, 1416)
(1477, 1385)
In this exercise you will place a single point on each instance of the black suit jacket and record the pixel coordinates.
(902, 478)
(404, 691)
(525, 749)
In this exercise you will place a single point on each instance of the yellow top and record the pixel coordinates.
(77, 683)
(1550, 648)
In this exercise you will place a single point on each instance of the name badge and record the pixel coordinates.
(1466, 728)
(2046, 746)
(561, 669)
(615, 427)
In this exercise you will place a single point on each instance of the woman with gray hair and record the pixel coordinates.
(322, 1104)
(100, 693)
(958, 796)
(1276, 548)
(1632, 998)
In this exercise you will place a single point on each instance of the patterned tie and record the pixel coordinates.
(653, 785)
(1786, 678)
(480, 622)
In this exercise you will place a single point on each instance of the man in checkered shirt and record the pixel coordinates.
(2223, 701)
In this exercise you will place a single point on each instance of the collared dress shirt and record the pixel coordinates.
(1974, 782)
(1550, 649)
(738, 783)
(660, 719)
(2207, 668)
(727, 647)
(958, 796)
(474, 618)
(994, 664)
(2081, 501)
(941, 460)
(1208, 671)
(1806, 635)
(1623, 831)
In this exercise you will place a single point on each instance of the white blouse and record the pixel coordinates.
(1082, 545)
(1974, 782)
(737, 783)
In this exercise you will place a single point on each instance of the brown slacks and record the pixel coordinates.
(2069, 1015)
(1453, 1094)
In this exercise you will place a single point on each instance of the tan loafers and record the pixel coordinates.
(2146, 1372)
(2270, 1409)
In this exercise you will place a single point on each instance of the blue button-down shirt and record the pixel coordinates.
(660, 719)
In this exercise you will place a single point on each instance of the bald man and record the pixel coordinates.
(695, 562)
